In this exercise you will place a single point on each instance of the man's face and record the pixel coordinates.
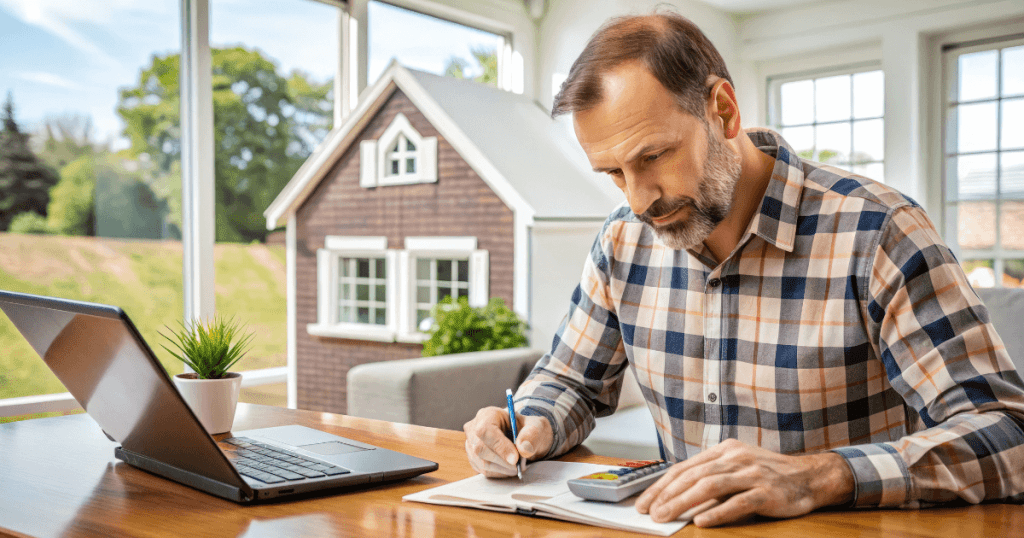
(676, 173)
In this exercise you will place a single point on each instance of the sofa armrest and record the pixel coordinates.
(442, 392)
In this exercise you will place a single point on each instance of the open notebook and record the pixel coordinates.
(543, 492)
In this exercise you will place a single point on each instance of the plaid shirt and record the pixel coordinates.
(840, 322)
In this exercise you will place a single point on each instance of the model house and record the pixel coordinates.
(432, 187)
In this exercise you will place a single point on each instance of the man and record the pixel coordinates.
(802, 336)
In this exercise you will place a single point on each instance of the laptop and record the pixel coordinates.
(99, 355)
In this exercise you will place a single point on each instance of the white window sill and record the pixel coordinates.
(352, 332)
(376, 333)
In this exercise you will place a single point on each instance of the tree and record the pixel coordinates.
(72, 209)
(65, 138)
(264, 127)
(487, 61)
(25, 181)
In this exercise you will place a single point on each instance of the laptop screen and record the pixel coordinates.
(97, 353)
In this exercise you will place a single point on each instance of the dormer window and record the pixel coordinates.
(399, 157)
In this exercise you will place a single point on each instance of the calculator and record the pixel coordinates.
(619, 483)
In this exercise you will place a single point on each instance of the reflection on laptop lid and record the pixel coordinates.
(98, 354)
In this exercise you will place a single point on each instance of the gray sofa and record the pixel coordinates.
(446, 391)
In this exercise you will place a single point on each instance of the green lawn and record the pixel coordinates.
(144, 278)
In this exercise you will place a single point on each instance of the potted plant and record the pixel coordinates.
(210, 349)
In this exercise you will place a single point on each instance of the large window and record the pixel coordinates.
(362, 291)
(984, 159)
(91, 211)
(835, 119)
(430, 44)
(437, 278)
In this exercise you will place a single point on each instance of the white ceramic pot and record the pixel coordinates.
(212, 400)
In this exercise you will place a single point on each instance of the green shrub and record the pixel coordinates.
(460, 328)
(29, 222)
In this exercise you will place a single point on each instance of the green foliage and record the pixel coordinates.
(211, 348)
(264, 128)
(72, 207)
(29, 222)
(66, 138)
(487, 61)
(25, 181)
(460, 328)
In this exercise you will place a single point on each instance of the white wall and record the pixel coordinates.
(904, 38)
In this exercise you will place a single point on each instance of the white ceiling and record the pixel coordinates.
(757, 6)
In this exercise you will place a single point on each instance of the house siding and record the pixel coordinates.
(459, 204)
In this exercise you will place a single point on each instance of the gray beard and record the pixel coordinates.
(722, 170)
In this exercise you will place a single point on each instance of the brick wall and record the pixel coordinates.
(459, 204)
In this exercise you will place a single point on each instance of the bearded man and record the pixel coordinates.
(801, 335)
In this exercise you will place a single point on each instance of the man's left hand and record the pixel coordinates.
(749, 481)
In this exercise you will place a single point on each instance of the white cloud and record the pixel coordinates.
(51, 79)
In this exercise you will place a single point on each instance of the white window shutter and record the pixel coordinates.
(479, 278)
(404, 303)
(324, 286)
(368, 164)
(393, 274)
(428, 159)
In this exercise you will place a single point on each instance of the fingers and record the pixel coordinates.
(711, 487)
(490, 452)
(535, 436)
(643, 503)
(738, 508)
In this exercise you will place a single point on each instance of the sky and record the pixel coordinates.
(62, 56)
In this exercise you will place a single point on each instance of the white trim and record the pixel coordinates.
(440, 243)
(356, 242)
(353, 331)
(479, 278)
(400, 127)
(292, 332)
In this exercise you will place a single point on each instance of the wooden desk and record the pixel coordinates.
(58, 477)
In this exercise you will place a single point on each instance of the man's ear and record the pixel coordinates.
(724, 108)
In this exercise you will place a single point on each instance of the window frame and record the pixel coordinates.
(328, 286)
(950, 50)
(375, 156)
(773, 96)
(439, 247)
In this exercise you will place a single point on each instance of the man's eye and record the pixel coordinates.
(615, 173)
(652, 157)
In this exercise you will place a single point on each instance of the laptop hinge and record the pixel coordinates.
(202, 483)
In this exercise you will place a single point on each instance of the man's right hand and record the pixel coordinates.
(491, 452)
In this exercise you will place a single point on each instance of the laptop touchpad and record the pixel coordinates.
(331, 448)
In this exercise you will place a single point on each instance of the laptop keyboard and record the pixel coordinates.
(272, 465)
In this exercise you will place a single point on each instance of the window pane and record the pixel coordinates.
(1013, 71)
(797, 98)
(832, 98)
(363, 268)
(1011, 174)
(394, 147)
(422, 269)
(422, 294)
(379, 293)
(976, 225)
(875, 171)
(380, 316)
(346, 266)
(978, 75)
(868, 94)
(379, 265)
(363, 315)
(394, 167)
(1012, 124)
(1013, 273)
(346, 292)
(420, 316)
(463, 293)
(868, 141)
(801, 139)
(832, 142)
(346, 314)
(463, 270)
(444, 270)
(363, 292)
(976, 127)
(429, 44)
(980, 273)
(1011, 225)
(410, 166)
(443, 291)
(409, 146)
(975, 175)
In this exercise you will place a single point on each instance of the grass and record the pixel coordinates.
(143, 278)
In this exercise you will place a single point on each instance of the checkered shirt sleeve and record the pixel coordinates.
(942, 355)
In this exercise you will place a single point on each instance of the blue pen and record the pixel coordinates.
(515, 432)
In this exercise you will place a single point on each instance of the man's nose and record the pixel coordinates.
(641, 192)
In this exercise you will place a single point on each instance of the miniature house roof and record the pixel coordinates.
(511, 142)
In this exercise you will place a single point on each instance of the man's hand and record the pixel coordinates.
(748, 480)
(491, 452)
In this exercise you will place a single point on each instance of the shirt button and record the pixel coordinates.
(712, 397)
(714, 282)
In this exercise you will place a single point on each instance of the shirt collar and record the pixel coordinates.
(776, 221)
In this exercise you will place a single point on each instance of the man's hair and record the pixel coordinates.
(672, 48)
